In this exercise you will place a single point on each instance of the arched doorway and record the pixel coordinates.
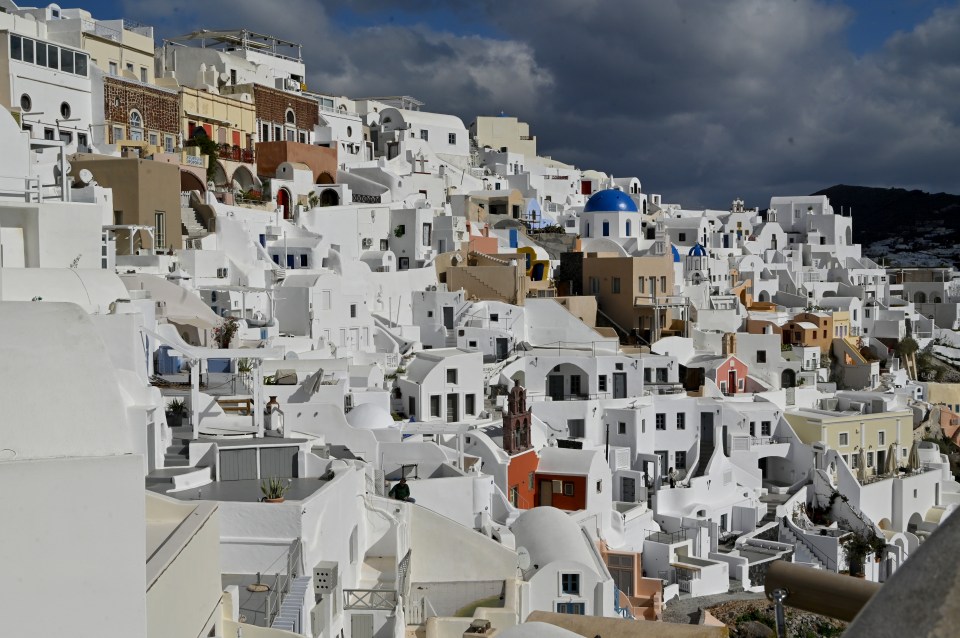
(190, 182)
(914, 523)
(788, 378)
(920, 297)
(325, 178)
(219, 174)
(245, 179)
(764, 296)
(283, 202)
(329, 197)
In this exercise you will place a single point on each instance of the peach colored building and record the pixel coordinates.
(810, 329)
(321, 160)
(626, 287)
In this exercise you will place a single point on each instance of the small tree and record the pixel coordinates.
(906, 347)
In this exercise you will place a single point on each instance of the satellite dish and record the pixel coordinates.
(86, 177)
(523, 558)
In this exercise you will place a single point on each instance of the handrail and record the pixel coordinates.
(828, 562)
(819, 592)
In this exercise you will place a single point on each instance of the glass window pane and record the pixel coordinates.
(28, 51)
(16, 47)
(66, 60)
(41, 54)
(53, 56)
(81, 64)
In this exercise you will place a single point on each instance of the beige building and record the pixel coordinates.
(118, 47)
(850, 432)
(145, 193)
(626, 289)
(504, 132)
(486, 277)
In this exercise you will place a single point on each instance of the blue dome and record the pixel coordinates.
(676, 253)
(610, 201)
(697, 251)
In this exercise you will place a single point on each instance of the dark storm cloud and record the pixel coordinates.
(703, 101)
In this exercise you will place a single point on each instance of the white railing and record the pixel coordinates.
(370, 599)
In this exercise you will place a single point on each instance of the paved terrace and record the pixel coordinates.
(247, 491)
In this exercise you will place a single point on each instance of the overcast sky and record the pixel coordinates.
(702, 100)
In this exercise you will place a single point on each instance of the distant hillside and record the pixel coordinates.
(909, 228)
(879, 213)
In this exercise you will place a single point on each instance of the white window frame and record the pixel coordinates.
(843, 439)
(160, 231)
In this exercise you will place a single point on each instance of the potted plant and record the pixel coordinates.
(273, 489)
(176, 410)
(223, 334)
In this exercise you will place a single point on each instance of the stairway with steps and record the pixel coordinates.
(802, 552)
(706, 453)
(192, 225)
(451, 341)
(290, 609)
(178, 452)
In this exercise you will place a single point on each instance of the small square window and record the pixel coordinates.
(844, 439)
(761, 356)
(568, 489)
(621, 428)
(452, 375)
(494, 316)
(661, 421)
(472, 344)
(429, 313)
(353, 311)
(452, 138)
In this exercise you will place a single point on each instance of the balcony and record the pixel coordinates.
(235, 153)
(370, 599)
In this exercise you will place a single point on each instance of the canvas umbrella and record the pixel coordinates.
(914, 457)
(892, 460)
(862, 465)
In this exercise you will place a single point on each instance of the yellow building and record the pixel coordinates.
(849, 432)
(947, 394)
(229, 120)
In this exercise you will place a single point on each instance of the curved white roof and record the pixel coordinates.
(549, 535)
(92, 290)
(424, 118)
(558, 460)
(601, 245)
(182, 305)
(369, 416)
(56, 366)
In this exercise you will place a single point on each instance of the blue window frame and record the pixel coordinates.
(606, 229)
(570, 584)
(572, 608)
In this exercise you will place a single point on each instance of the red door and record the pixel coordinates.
(236, 138)
(283, 201)
(585, 188)
(732, 382)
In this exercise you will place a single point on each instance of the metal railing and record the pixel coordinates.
(235, 153)
(622, 605)
(281, 582)
(370, 599)
(667, 538)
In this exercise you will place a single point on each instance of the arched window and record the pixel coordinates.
(291, 117)
(136, 125)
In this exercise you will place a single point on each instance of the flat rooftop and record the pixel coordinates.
(246, 491)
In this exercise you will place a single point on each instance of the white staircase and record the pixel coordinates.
(451, 341)
(802, 553)
(292, 606)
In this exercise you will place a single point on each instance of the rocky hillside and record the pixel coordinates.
(905, 227)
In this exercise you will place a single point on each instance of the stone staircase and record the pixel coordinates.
(192, 226)
(178, 452)
(706, 452)
(487, 292)
(451, 340)
(802, 552)
(291, 608)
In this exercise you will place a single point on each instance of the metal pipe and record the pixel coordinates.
(818, 591)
